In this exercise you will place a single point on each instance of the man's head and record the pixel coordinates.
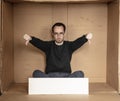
(58, 31)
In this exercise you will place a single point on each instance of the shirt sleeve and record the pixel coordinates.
(40, 44)
(74, 45)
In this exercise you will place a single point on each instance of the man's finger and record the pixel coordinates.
(26, 43)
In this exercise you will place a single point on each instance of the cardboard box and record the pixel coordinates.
(99, 60)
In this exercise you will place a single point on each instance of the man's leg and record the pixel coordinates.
(77, 74)
(38, 73)
(58, 74)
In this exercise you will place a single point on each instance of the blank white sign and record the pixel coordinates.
(58, 86)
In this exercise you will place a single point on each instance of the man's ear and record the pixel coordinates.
(51, 32)
(52, 35)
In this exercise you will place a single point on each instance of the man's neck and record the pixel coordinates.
(59, 44)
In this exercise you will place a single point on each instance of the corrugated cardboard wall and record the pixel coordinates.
(0, 45)
(36, 19)
(7, 45)
(75, 1)
(119, 53)
(112, 45)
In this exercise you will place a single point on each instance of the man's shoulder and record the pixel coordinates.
(50, 41)
(66, 41)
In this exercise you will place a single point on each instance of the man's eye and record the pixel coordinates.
(55, 33)
(61, 33)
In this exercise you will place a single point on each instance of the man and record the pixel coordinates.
(58, 52)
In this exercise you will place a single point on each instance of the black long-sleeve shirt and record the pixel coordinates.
(58, 57)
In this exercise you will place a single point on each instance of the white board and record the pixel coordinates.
(58, 86)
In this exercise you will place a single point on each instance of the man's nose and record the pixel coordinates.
(58, 34)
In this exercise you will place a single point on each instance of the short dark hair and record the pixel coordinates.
(58, 24)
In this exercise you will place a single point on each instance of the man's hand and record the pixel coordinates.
(89, 37)
(27, 38)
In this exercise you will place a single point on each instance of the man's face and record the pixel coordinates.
(58, 34)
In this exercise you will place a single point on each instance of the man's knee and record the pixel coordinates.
(78, 74)
(36, 73)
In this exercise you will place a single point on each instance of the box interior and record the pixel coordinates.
(37, 19)
(97, 59)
